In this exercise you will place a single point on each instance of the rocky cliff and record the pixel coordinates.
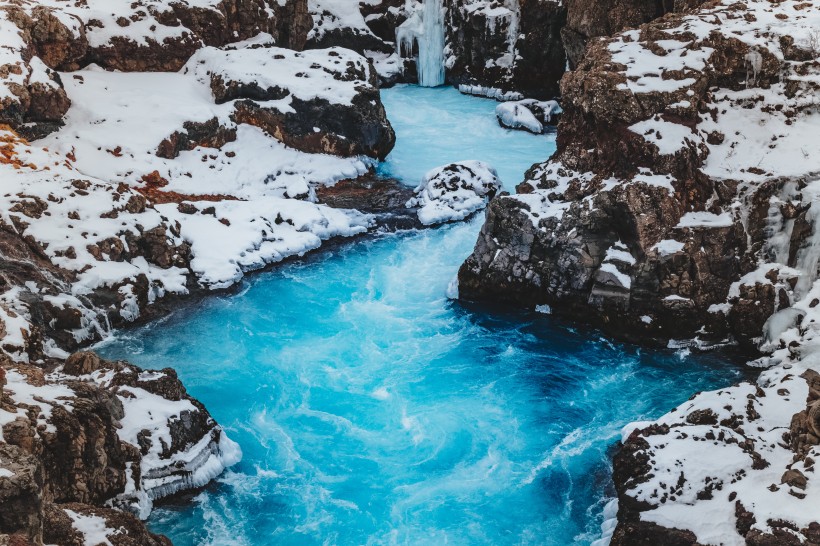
(506, 45)
(513, 45)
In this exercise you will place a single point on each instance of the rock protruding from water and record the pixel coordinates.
(528, 115)
(454, 192)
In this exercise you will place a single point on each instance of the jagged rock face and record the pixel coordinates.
(21, 482)
(343, 24)
(647, 221)
(32, 95)
(507, 45)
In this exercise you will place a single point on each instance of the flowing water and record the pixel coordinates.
(373, 410)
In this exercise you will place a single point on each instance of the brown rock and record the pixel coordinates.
(82, 363)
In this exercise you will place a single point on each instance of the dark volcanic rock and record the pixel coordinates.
(386, 198)
(512, 51)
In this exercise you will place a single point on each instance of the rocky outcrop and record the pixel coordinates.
(32, 98)
(360, 26)
(725, 467)
(164, 37)
(650, 221)
(588, 19)
(94, 432)
(321, 101)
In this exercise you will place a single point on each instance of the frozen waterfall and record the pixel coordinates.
(424, 29)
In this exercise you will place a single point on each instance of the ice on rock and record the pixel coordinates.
(453, 192)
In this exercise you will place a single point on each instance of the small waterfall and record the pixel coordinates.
(424, 29)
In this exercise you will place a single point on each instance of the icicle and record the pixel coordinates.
(425, 28)
(754, 60)
(512, 29)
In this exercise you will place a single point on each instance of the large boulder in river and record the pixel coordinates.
(454, 192)
(317, 101)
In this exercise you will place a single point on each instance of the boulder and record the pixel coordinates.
(454, 192)
(528, 115)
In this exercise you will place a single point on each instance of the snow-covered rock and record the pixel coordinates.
(318, 101)
(102, 432)
(529, 115)
(453, 192)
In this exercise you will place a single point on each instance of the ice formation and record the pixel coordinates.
(424, 29)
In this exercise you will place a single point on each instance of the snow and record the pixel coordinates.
(45, 397)
(262, 231)
(93, 528)
(667, 247)
(667, 136)
(306, 75)
(490, 92)
(517, 116)
(679, 466)
(522, 114)
(623, 279)
(705, 220)
(453, 192)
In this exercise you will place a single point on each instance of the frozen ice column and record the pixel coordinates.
(424, 29)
